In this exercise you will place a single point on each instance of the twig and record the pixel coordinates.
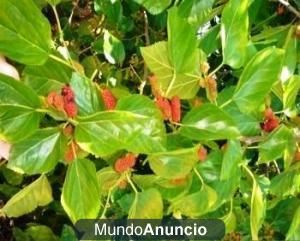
(146, 33)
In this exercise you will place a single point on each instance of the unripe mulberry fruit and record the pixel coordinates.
(122, 184)
(178, 181)
(109, 99)
(176, 109)
(165, 107)
(270, 124)
(154, 85)
(55, 100)
(125, 163)
(71, 151)
(202, 153)
(268, 113)
(212, 88)
(70, 109)
(297, 32)
(280, 10)
(297, 156)
(68, 130)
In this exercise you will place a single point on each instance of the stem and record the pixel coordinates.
(107, 202)
(61, 38)
(147, 39)
(131, 183)
(252, 147)
(3, 162)
(276, 166)
(61, 61)
(200, 178)
(215, 70)
(226, 103)
(73, 150)
(249, 172)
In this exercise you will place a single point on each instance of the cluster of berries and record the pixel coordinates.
(271, 122)
(109, 99)
(64, 101)
(125, 163)
(171, 110)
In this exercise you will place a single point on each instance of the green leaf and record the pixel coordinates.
(39, 153)
(257, 79)
(196, 11)
(208, 122)
(68, 234)
(147, 205)
(247, 124)
(211, 41)
(294, 230)
(173, 164)
(13, 117)
(134, 126)
(181, 35)
(234, 32)
(111, 9)
(258, 207)
(25, 34)
(15, 92)
(41, 233)
(230, 222)
(80, 195)
(290, 92)
(107, 178)
(170, 83)
(36, 194)
(231, 159)
(87, 97)
(278, 143)
(196, 204)
(286, 183)
(290, 55)
(113, 48)
(154, 6)
(18, 103)
(51, 76)
(11, 177)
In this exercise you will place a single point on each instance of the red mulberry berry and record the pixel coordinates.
(270, 124)
(202, 153)
(154, 85)
(125, 163)
(70, 109)
(164, 105)
(176, 109)
(109, 99)
(67, 92)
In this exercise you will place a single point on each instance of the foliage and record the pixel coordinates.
(144, 109)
